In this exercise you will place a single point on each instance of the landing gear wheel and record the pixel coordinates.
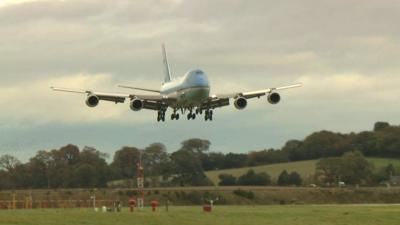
(208, 115)
(160, 116)
(177, 116)
(189, 116)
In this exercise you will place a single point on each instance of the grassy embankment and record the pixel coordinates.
(305, 168)
(222, 215)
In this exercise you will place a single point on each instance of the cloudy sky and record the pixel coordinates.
(345, 52)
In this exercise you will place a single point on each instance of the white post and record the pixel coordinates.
(94, 201)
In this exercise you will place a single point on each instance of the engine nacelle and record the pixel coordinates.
(240, 103)
(274, 98)
(92, 101)
(136, 104)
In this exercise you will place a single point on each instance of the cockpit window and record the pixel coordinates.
(199, 72)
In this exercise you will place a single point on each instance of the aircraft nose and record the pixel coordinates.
(200, 80)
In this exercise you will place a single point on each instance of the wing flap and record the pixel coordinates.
(258, 93)
(151, 101)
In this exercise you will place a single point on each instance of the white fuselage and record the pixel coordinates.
(191, 90)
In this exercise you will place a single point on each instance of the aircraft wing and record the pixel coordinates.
(154, 102)
(221, 100)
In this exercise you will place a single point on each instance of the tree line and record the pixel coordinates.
(71, 167)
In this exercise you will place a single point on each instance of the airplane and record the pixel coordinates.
(189, 93)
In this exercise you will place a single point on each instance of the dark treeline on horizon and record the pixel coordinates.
(71, 167)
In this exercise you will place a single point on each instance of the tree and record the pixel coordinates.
(196, 145)
(355, 169)
(352, 168)
(9, 162)
(293, 149)
(212, 161)
(124, 163)
(328, 170)
(41, 166)
(188, 169)
(283, 179)
(380, 126)
(266, 157)
(390, 170)
(234, 160)
(227, 180)
(92, 159)
(85, 176)
(155, 158)
(68, 154)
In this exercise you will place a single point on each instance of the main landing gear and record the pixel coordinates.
(160, 116)
(175, 116)
(191, 115)
(208, 115)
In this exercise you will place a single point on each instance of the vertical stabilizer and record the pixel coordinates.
(166, 66)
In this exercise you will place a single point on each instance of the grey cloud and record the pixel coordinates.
(239, 44)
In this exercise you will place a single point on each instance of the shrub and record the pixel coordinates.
(131, 193)
(245, 194)
(227, 180)
(295, 179)
(283, 178)
(252, 178)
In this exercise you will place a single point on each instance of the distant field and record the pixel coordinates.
(222, 215)
(305, 168)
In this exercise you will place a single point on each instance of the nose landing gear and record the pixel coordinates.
(161, 116)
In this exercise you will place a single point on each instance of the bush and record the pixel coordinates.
(245, 194)
(194, 197)
(252, 178)
(227, 180)
(286, 179)
(283, 178)
(131, 193)
(295, 179)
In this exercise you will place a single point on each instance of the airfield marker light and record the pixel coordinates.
(132, 204)
(154, 205)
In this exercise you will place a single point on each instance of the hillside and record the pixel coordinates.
(305, 168)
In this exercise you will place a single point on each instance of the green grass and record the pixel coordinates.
(222, 215)
(305, 168)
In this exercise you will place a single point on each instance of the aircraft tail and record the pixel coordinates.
(166, 66)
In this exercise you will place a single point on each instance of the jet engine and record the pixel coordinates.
(92, 101)
(274, 98)
(136, 104)
(240, 103)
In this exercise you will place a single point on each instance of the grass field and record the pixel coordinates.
(222, 215)
(305, 168)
